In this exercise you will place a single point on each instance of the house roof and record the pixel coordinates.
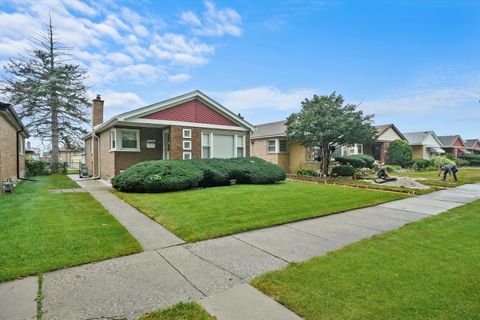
(272, 129)
(470, 143)
(7, 108)
(132, 117)
(448, 141)
(384, 127)
(418, 138)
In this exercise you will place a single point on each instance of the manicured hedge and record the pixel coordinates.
(307, 172)
(473, 159)
(357, 161)
(173, 175)
(421, 163)
(343, 170)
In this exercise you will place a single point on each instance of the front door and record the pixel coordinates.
(166, 145)
(376, 151)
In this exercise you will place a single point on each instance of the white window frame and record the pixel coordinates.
(113, 138)
(118, 140)
(275, 146)
(187, 154)
(187, 145)
(210, 144)
(187, 133)
(235, 143)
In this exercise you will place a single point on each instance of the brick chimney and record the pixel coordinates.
(97, 112)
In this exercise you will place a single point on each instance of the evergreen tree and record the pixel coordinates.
(49, 92)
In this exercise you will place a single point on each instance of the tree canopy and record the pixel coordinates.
(399, 152)
(327, 122)
(49, 92)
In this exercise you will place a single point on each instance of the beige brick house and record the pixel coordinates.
(190, 126)
(12, 144)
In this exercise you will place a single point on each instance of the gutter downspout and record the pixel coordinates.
(18, 155)
(98, 155)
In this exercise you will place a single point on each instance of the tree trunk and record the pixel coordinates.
(53, 104)
(325, 159)
(54, 137)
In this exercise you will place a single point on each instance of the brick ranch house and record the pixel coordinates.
(12, 145)
(190, 126)
(425, 144)
(473, 145)
(270, 142)
(453, 145)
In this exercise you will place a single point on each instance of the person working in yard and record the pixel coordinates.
(382, 173)
(450, 169)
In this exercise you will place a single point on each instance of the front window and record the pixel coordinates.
(113, 139)
(187, 145)
(125, 140)
(206, 145)
(282, 145)
(271, 145)
(312, 154)
(187, 155)
(187, 133)
(240, 146)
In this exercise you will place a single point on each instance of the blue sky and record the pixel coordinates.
(414, 63)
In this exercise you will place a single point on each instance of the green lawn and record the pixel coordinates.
(465, 175)
(426, 270)
(42, 231)
(180, 311)
(212, 212)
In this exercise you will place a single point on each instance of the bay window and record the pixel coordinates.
(124, 140)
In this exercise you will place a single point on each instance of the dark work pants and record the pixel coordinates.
(453, 173)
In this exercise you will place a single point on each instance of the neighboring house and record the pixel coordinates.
(12, 145)
(424, 144)
(453, 145)
(32, 153)
(269, 142)
(190, 126)
(472, 145)
(386, 133)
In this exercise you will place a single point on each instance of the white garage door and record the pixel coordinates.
(223, 146)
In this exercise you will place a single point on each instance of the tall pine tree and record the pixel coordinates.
(49, 92)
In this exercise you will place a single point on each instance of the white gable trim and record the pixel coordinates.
(134, 115)
(435, 137)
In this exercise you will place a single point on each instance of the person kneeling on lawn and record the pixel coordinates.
(382, 173)
(450, 169)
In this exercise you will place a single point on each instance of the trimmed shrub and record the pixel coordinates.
(351, 160)
(35, 168)
(158, 176)
(343, 170)
(307, 172)
(369, 160)
(474, 159)
(254, 170)
(462, 162)
(399, 153)
(450, 156)
(421, 163)
(173, 175)
(437, 162)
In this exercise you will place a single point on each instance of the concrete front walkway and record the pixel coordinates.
(213, 270)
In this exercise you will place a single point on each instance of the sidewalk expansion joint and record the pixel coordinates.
(258, 248)
(184, 276)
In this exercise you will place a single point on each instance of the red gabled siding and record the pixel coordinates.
(458, 143)
(476, 146)
(192, 111)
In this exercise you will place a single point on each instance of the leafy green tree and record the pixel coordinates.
(327, 123)
(49, 92)
(399, 152)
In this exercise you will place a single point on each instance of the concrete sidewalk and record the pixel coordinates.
(212, 270)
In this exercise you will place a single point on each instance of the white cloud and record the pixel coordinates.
(114, 43)
(118, 102)
(436, 93)
(265, 98)
(119, 58)
(180, 77)
(214, 22)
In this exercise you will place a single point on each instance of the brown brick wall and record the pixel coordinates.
(8, 151)
(90, 159)
(97, 111)
(125, 159)
(107, 159)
